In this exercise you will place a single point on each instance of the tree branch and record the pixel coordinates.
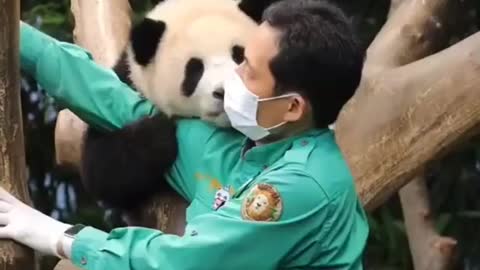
(413, 117)
(102, 27)
(429, 250)
(416, 29)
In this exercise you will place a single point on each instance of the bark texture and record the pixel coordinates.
(429, 250)
(405, 113)
(12, 149)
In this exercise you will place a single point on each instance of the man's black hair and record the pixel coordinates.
(319, 55)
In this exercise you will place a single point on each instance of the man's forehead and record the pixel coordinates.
(263, 45)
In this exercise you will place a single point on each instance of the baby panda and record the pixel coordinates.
(177, 58)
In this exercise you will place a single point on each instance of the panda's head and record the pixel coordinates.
(180, 53)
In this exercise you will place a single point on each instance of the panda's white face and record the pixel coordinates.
(200, 45)
(208, 94)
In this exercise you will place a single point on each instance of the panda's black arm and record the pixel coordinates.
(122, 168)
(121, 69)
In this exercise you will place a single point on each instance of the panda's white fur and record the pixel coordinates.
(206, 29)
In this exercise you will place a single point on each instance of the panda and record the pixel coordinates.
(177, 57)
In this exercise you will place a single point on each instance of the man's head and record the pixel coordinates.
(306, 47)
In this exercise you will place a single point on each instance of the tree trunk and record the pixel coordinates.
(12, 149)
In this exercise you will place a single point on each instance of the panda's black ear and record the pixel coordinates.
(254, 8)
(145, 38)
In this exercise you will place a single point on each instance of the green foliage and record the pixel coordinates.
(52, 17)
(454, 181)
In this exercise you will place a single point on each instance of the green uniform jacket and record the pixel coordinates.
(287, 205)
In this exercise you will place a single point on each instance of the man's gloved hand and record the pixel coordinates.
(28, 226)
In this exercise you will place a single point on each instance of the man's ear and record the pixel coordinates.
(297, 108)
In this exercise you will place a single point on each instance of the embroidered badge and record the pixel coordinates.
(263, 203)
(221, 197)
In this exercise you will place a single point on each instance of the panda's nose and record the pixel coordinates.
(219, 93)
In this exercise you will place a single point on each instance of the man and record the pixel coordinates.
(283, 196)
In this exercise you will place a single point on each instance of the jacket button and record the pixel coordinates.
(304, 142)
(83, 261)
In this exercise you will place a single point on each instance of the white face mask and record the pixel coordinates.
(241, 107)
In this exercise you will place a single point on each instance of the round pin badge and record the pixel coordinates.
(263, 203)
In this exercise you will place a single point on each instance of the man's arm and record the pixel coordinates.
(69, 74)
(226, 239)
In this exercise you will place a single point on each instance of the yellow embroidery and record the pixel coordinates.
(214, 184)
(199, 176)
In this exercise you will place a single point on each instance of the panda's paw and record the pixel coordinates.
(125, 167)
(153, 138)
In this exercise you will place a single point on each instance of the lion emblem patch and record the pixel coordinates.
(263, 203)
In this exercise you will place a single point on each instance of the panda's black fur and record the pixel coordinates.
(125, 167)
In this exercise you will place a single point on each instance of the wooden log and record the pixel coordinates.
(12, 150)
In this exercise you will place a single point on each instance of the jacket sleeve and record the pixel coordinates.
(226, 239)
(69, 74)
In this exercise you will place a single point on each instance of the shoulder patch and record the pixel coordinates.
(263, 203)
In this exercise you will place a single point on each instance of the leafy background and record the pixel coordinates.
(454, 181)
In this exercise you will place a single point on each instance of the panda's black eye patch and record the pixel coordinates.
(237, 54)
(193, 73)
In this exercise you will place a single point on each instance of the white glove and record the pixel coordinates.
(28, 226)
